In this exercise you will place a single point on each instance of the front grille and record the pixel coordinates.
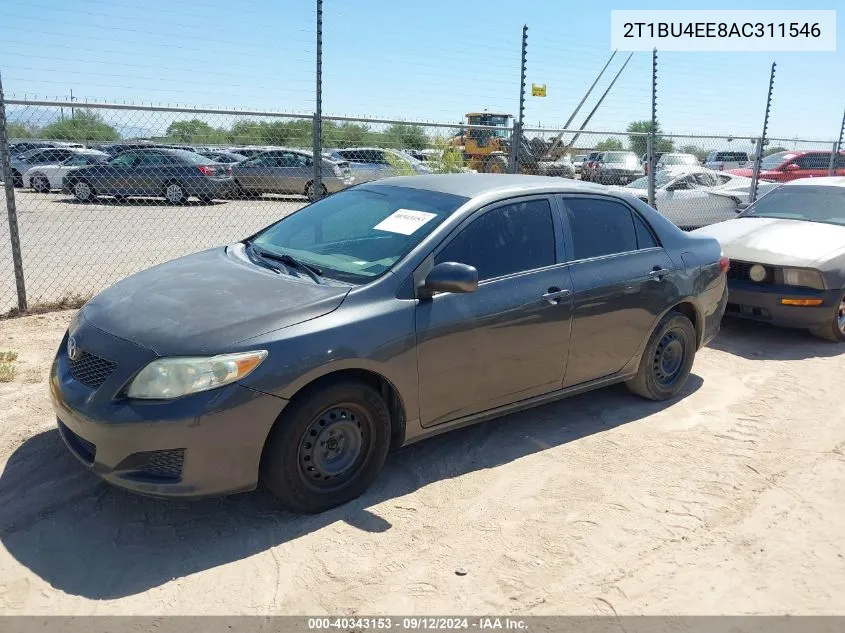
(83, 448)
(166, 463)
(91, 370)
(741, 271)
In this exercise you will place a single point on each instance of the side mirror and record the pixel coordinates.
(450, 277)
(742, 206)
(791, 167)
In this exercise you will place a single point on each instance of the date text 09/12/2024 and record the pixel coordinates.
(417, 623)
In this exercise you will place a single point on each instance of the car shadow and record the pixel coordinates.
(86, 538)
(760, 341)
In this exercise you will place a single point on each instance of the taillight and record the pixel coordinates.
(208, 170)
(724, 263)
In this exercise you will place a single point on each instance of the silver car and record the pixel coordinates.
(49, 156)
(375, 163)
(289, 171)
(787, 253)
(617, 168)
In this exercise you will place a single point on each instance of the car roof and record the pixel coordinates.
(822, 181)
(472, 185)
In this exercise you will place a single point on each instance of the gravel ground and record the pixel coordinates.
(728, 500)
(71, 248)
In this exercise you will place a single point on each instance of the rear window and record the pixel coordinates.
(189, 157)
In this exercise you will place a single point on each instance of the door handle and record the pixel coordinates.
(554, 295)
(657, 273)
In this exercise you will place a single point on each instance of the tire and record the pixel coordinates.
(83, 191)
(309, 191)
(667, 359)
(834, 330)
(174, 193)
(496, 165)
(308, 479)
(17, 179)
(40, 183)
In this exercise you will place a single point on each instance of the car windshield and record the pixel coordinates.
(661, 179)
(811, 203)
(620, 157)
(774, 160)
(679, 159)
(357, 234)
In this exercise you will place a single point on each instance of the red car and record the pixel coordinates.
(786, 166)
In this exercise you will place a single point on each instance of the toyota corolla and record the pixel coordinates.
(374, 318)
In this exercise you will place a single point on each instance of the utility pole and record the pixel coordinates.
(317, 127)
(758, 159)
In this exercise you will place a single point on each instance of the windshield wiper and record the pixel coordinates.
(258, 259)
(289, 260)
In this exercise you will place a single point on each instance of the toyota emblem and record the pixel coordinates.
(72, 349)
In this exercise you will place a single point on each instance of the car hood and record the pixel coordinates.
(776, 241)
(206, 302)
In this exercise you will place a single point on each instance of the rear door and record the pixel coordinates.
(295, 172)
(622, 280)
(508, 340)
(153, 171)
(116, 177)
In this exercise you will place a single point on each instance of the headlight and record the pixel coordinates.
(168, 378)
(802, 277)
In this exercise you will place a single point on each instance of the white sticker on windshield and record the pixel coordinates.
(404, 221)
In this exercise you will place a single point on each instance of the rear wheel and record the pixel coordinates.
(17, 178)
(328, 447)
(309, 191)
(83, 192)
(667, 359)
(834, 330)
(175, 193)
(40, 183)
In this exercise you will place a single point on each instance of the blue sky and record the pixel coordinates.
(429, 61)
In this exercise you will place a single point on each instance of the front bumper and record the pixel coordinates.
(204, 444)
(761, 302)
(617, 177)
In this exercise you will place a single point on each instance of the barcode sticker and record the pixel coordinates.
(404, 221)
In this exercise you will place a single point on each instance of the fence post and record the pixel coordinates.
(317, 127)
(650, 157)
(516, 137)
(650, 152)
(761, 142)
(837, 146)
(11, 209)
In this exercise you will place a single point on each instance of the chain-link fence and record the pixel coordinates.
(128, 187)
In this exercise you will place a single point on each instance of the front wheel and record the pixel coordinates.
(667, 359)
(834, 330)
(327, 447)
(40, 184)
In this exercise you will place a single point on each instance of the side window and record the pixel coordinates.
(839, 161)
(704, 180)
(76, 161)
(645, 238)
(723, 179)
(814, 161)
(154, 159)
(600, 227)
(505, 240)
(125, 159)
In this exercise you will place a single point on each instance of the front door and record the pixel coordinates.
(622, 281)
(508, 340)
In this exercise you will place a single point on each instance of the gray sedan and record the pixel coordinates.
(787, 254)
(289, 171)
(371, 319)
(617, 168)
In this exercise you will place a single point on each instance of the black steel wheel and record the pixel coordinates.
(667, 359)
(327, 447)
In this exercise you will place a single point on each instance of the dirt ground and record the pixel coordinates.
(728, 500)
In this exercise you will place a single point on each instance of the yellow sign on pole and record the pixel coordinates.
(538, 91)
